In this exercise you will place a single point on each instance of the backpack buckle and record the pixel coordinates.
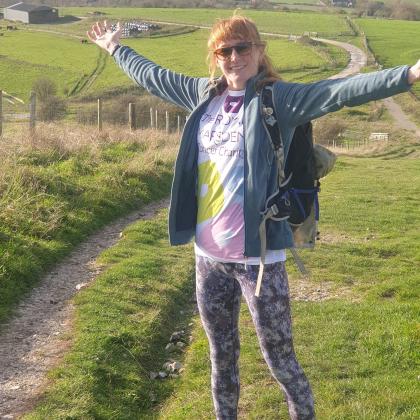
(274, 209)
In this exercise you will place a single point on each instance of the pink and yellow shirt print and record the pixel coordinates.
(220, 219)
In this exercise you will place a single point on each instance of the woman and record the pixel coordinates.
(224, 172)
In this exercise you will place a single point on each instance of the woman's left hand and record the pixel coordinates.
(414, 73)
(103, 36)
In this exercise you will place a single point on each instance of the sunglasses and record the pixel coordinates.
(243, 48)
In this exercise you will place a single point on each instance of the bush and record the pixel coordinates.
(329, 130)
(44, 88)
(51, 108)
(399, 9)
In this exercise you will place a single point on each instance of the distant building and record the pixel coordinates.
(28, 13)
(133, 29)
(343, 3)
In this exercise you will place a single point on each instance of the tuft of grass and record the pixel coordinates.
(62, 184)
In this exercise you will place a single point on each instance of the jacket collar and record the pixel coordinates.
(218, 86)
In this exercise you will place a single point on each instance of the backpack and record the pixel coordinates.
(296, 198)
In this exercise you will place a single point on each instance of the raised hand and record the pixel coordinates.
(102, 35)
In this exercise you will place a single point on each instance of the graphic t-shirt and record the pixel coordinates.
(220, 232)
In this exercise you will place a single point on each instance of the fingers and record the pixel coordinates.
(97, 30)
(102, 31)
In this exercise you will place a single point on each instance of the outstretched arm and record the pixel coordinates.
(303, 102)
(414, 73)
(177, 88)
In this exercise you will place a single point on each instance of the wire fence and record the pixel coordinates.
(132, 115)
(100, 114)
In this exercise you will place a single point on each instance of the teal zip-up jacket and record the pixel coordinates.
(295, 104)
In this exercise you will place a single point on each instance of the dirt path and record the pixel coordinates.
(358, 57)
(400, 118)
(36, 338)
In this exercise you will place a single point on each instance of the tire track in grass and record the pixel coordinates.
(87, 80)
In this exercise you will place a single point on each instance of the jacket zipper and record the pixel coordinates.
(245, 180)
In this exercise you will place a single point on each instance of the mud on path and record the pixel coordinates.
(36, 338)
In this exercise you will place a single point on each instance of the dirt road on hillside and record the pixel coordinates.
(358, 60)
(35, 339)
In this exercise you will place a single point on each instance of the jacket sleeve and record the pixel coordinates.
(299, 103)
(177, 88)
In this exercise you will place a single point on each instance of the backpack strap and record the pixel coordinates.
(278, 204)
(273, 129)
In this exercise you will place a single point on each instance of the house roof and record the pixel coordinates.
(23, 7)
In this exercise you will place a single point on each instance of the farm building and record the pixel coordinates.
(29, 13)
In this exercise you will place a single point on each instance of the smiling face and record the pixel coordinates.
(239, 64)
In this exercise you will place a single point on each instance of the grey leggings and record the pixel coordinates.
(219, 287)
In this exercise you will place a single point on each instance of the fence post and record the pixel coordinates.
(132, 116)
(178, 124)
(167, 121)
(151, 117)
(1, 112)
(156, 122)
(32, 112)
(99, 114)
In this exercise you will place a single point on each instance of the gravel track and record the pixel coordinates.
(37, 337)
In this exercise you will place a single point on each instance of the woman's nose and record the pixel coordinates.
(234, 56)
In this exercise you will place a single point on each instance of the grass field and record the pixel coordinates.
(84, 69)
(357, 348)
(267, 21)
(30, 55)
(393, 42)
(64, 183)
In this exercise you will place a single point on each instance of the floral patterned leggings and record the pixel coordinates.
(219, 287)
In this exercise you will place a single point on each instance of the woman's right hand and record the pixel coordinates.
(102, 35)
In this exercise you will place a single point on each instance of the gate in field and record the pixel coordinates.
(14, 110)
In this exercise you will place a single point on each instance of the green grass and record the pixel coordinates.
(267, 21)
(118, 344)
(54, 194)
(393, 41)
(359, 356)
(31, 55)
(84, 69)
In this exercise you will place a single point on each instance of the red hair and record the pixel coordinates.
(243, 28)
